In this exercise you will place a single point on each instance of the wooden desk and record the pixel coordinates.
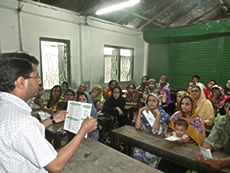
(52, 134)
(183, 154)
(106, 123)
(95, 157)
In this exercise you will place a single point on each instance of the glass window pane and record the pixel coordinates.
(54, 63)
(125, 52)
(125, 68)
(111, 65)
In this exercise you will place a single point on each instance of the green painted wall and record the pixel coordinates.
(181, 53)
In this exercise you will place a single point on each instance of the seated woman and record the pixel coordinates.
(218, 140)
(108, 91)
(132, 103)
(97, 93)
(64, 86)
(159, 127)
(143, 84)
(204, 107)
(179, 96)
(167, 104)
(99, 107)
(81, 89)
(54, 98)
(115, 106)
(208, 89)
(218, 99)
(163, 83)
(227, 86)
(69, 95)
(190, 85)
(38, 100)
(86, 98)
(150, 88)
(196, 129)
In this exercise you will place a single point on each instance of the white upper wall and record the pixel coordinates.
(86, 41)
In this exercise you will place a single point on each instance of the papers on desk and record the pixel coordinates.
(172, 138)
(149, 116)
(206, 152)
(77, 112)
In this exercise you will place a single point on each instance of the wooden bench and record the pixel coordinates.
(95, 157)
(180, 153)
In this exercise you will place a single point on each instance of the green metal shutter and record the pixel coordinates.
(180, 61)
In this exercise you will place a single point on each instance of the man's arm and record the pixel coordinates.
(57, 117)
(67, 152)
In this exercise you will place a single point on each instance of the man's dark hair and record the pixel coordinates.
(10, 70)
(181, 122)
(196, 76)
(24, 56)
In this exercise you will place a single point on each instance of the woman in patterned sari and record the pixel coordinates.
(188, 112)
(195, 131)
(159, 127)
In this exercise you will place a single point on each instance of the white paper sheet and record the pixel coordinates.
(150, 117)
(172, 138)
(77, 113)
(206, 152)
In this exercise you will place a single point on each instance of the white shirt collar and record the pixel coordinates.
(15, 100)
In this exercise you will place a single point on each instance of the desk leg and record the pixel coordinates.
(115, 142)
(127, 149)
(57, 141)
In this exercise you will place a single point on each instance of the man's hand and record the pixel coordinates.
(89, 124)
(59, 116)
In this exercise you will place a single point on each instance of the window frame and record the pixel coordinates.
(67, 42)
(119, 59)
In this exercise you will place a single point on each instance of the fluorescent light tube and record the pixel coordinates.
(117, 7)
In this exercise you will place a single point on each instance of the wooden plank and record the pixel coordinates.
(95, 157)
(180, 153)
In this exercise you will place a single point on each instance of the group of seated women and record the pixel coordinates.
(198, 107)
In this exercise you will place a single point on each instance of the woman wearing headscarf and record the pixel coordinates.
(208, 89)
(195, 131)
(108, 91)
(179, 96)
(204, 107)
(163, 83)
(167, 104)
(159, 127)
(86, 98)
(143, 84)
(81, 89)
(219, 140)
(218, 99)
(132, 103)
(54, 98)
(65, 87)
(115, 106)
(97, 93)
(150, 88)
(69, 95)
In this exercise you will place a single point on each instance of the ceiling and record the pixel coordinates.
(151, 14)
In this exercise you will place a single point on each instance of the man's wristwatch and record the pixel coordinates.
(52, 119)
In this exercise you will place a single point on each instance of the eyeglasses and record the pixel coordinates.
(33, 77)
